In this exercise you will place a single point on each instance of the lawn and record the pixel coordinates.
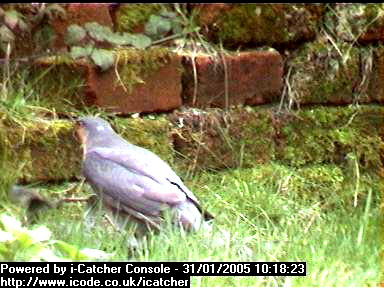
(270, 212)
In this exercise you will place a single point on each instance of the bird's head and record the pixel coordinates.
(92, 131)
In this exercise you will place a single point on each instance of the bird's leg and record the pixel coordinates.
(114, 225)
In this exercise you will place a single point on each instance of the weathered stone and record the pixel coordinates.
(376, 78)
(152, 133)
(80, 14)
(250, 78)
(339, 135)
(30, 28)
(40, 150)
(141, 81)
(208, 13)
(356, 22)
(145, 81)
(321, 74)
(240, 137)
(254, 25)
(218, 139)
(47, 151)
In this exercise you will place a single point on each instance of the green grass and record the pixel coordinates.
(262, 214)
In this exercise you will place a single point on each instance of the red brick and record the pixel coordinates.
(161, 90)
(376, 79)
(252, 78)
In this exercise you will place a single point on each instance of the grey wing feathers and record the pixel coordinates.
(129, 188)
(144, 162)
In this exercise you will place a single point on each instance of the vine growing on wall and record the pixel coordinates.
(85, 41)
(92, 40)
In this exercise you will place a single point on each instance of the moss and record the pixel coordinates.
(216, 139)
(265, 24)
(351, 22)
(58, 83)
(45, 150)
(40, 150)
(136, 64)
(153, 135)
(130, 16)
(329, 185)
(252, 136)
(332, 135)
(321, 75)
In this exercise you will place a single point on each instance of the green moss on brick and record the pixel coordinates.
(252, 136)
(130, 16)
(321, 74)
(40, 150)
(352, 22)
(265, 24)
(152, 134)
(332, 135)
(136, 64)
(215, 139)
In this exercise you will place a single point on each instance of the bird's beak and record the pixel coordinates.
(80, 133)
(81, 136)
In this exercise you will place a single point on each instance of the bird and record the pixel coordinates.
(133, 180)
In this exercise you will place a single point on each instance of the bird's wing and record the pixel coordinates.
(129, 187)
(143, 162)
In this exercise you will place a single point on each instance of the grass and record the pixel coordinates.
(261, 215)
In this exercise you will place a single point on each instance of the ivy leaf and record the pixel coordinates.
(70, 250)
(120, 39)
(98, 32)
(141, 41)
(11, 18)
(167, 14)
(78, 52)
(103, 58)
(157, 26)
(75, 34)
(47, 254)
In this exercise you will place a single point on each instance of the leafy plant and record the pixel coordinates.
(160, 24)
(20, 243)
(93, 33)
(86, 41)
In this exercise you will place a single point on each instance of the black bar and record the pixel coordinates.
(135, 274)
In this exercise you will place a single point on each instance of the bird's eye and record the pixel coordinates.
(80, 123)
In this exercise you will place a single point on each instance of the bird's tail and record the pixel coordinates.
(188, 215)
